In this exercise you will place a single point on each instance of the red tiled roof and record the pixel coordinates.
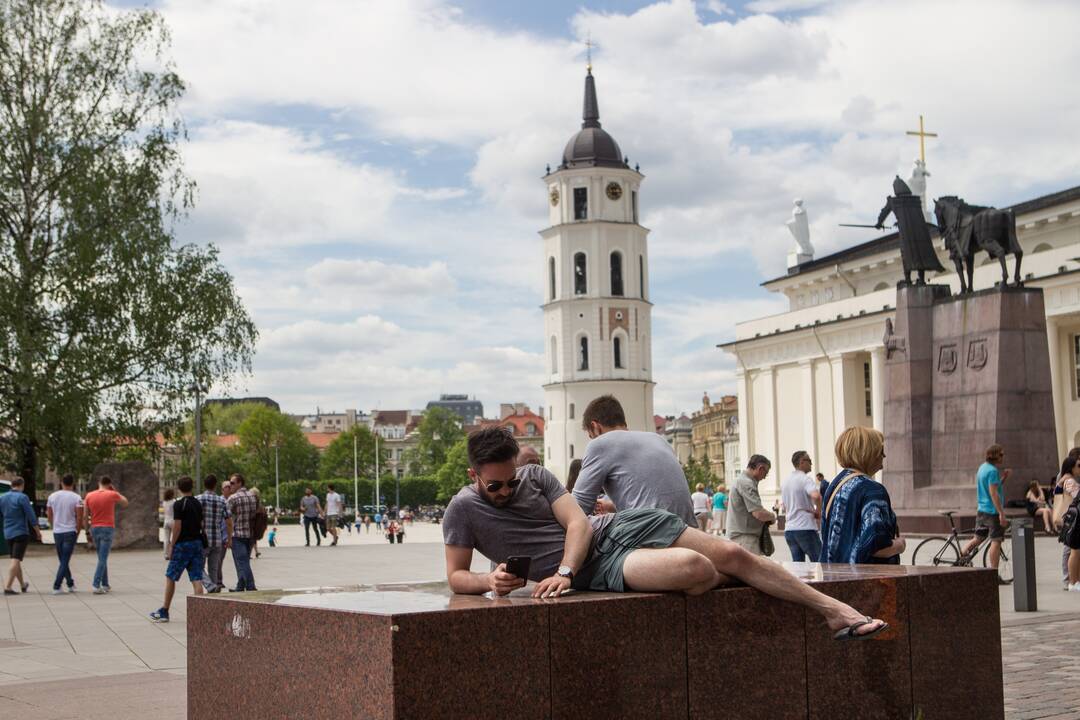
(518, 423)
(321, 440)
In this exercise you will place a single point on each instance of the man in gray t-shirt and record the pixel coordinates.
(310, 509)
(634, 469)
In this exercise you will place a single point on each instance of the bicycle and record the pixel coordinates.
(939, 550)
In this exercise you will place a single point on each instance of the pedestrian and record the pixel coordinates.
(1037, 506)
(391, 532)
(719, 510)
(256, 535)
(167, 511)
(1069, 488)
(400, 532)
(101, 507)
(217, 523)
(822, 483)
(273, 537)
(367, 524)
(185, 547)
(334, 504)
(990, 520)
(19, 523)
(243, 507)
(701, 507)
(66, 517)
(802, 500)
(858, 524)
(310, 510)
(747, 518)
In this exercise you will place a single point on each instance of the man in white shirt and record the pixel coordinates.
(66, 516)
(802, 499)
(701, 507)
(334, 505)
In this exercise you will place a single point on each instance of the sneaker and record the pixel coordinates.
(106, 588)
(71, 588)
(160, 615)
(26, 587)
(9, 591)
(100, 591)
(57, 591)
(1075, 587)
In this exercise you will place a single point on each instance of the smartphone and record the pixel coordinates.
(518, 566)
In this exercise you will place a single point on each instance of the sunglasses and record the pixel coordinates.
(497, 485)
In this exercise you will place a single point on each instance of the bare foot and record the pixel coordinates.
(849, 616)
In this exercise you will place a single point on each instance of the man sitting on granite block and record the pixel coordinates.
(524, 511)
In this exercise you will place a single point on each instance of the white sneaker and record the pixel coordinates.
(57, 591)
(1075, 587)
(99, 591)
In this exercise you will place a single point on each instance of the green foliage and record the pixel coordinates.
(224, 419)
(417, 491)
(454, 473)
(102, 316)
(699, 471)
(261, 432)
(437, 433)
(337, 458)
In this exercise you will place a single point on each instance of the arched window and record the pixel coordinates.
(554, 355)
(580, 283)
(616, 273)
(571, 413)
(1042, 247)
(551, 277)
(530, 429)
(583, 353)
(881, 286)
(641, 274)
(616, 351)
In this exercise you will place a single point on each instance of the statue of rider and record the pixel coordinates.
(916, 248)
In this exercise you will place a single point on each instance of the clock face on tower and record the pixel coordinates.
(554, 196)
(614, 190)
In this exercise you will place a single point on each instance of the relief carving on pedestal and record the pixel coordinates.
(977, 354)
(947, 357)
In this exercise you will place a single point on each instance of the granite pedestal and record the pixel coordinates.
(417, 651)
(964, 372)
(137, 524)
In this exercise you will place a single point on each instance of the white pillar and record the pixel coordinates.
(839, 396)
(877, 386)
(810, 429)
(1061, 386)
(746, 427)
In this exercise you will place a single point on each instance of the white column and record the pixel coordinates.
(746, 427)
(877, 386)
(1060, 384)
(839, 395)
(810, 431)
(774, 429)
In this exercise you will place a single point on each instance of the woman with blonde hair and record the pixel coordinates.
(858, 524)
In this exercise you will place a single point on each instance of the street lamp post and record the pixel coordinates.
(277, 483)
(355, 479)
(198, 390)
(378, 498)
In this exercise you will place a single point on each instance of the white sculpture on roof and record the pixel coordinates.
(799, 225)
(917, 183)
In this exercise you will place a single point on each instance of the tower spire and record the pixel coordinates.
(590, 115)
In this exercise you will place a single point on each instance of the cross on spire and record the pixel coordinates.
(922, 135)
(589, 45)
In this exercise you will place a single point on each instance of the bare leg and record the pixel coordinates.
(656, 569)
(972, 546)
(771, 579)
(1074, 566)
(13, 569)
(170, 589)
(1045, 515)
(995, 553)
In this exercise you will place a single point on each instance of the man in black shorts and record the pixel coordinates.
(187, 547)
(508, 511)
(19, 522)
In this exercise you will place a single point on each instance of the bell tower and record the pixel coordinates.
(597, 314)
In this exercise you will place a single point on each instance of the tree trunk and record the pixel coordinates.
(28, 467)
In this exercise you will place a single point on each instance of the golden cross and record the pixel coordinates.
(589, 45)
(922, 139)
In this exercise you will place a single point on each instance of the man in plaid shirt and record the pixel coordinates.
(242, 506)
(217, 523)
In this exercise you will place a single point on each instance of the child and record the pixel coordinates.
(273, 536)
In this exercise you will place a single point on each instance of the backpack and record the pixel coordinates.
(259, 523)
(1070, 526)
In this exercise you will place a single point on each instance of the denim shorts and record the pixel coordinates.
(186, 555)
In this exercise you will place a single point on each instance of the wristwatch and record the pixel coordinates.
(566, 572)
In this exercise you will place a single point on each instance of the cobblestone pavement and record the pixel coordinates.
(1040, 662)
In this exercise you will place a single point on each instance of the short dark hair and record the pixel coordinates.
(104, 480)
(68, 480)
(185, 484)
(169, 493)
(491, 445)
(605, 410)
(571, 477)
(210, 482)
(18, 482)
(798, 456)
(820, 476)
(330, 487)
(237, 477)
(758, 461)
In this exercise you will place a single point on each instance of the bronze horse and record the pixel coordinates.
(970, 228)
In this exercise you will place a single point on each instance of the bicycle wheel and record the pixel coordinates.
(935, 551)
(1005, 568)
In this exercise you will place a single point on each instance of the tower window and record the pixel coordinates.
(571, 415)
(581, 203)
(616, 348)
(583, 353)
(641, 274)
(616, 273)
(581, 285)
(868, 392)
(554, 355)
(551, 277)
(633, 203)
(571, 452)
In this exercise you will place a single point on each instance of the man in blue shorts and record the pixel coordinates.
(524, 511)
(187, 547)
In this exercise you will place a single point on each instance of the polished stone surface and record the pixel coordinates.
(402, 651)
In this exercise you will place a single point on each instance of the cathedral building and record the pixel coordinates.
(597, 314)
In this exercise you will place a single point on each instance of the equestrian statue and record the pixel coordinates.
(916, 248)
(970, 228)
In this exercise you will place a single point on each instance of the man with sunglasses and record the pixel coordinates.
(512, 511)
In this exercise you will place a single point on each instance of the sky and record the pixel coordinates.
(370, 170)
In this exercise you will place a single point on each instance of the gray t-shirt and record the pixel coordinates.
(524, 526)
(310, 503)
(744, 500)
(635, 470)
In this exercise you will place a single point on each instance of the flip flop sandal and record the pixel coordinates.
(849, 633)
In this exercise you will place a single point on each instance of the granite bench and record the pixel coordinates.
(418, 651)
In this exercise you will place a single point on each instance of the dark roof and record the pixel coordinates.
(272, 404)
(391, 417)
(892, 240)
(592, 146)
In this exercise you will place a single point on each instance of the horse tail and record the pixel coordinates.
(1010, 222)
